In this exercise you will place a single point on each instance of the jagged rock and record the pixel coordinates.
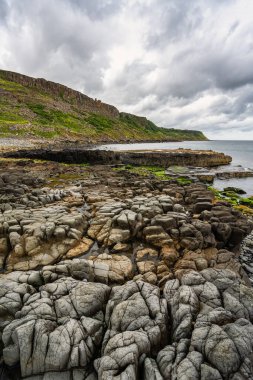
(57, 328)
(120, 268)
(146, 254)
(156, 235)
(169, 255)
(82, 247)
(159, 294)
(138, 325)
(201, 206)
(4, 249)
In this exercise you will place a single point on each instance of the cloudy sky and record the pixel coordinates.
(181, 63)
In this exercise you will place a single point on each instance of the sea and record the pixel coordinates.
(240, 151)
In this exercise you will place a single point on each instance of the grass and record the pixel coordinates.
(101, 123)
(39, 112)
(11, 86)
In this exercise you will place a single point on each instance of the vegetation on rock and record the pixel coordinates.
(157, 171)
(36, 108)
(231, 195)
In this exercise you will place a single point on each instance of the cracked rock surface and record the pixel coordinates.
(109, 275)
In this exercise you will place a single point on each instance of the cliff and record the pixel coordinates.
(76, 98)
(37, 108)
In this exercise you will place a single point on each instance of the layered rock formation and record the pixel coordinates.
(208, 175)
(83, 102)
(181, 157)
(126, 278)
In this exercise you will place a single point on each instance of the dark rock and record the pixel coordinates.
(201, 206)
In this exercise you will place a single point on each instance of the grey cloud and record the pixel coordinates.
(247, 129)
(98, 9)
(3, 11)
(133, 83)
(177, 19)
(63, 44)
(200, 63)
(233, 28)
(184, 64)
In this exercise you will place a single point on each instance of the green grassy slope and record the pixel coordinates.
(31, 112)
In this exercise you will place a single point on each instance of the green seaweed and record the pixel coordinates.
(156, 171)
(183, 181)
(232, 198)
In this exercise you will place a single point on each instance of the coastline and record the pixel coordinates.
(11, 145)
(80, 142)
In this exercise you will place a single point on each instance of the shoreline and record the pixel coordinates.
(83, 143)
(38, 146)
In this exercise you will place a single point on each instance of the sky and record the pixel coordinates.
(181, 63)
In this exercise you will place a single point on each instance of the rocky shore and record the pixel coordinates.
(164, 158)
(208, 175)
(110, 275)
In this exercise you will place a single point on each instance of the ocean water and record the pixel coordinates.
(240, 151)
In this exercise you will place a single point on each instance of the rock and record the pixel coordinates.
(82, 248)
(135, 309)
(121, 247)
(146, 254)
(68, 339)
(235, 190)
(201, 206)
(136, 320)
(118, 236)
(169, 255)
(156, 235)
(160, 292)
(3, 250)
(146, 266)
(118, 268)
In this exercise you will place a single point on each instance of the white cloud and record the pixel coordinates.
(181, 64)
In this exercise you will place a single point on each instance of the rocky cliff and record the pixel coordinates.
(83, 102)
(36, 108)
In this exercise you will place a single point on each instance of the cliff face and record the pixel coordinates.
(37, 108)
(83, 102)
